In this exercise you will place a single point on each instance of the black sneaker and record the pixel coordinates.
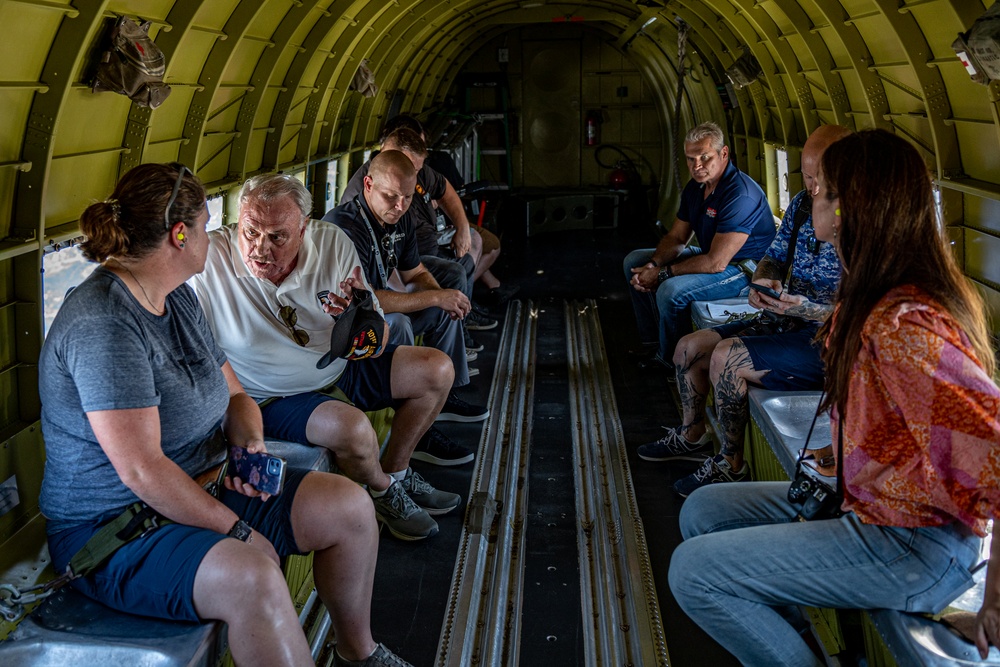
(714, 470)
(402, 516)
(498, 296)
(431, 500)
(476, 322)
(435, 447)
(457, 410)
(470, 343)
(382, 657)
(675, 447)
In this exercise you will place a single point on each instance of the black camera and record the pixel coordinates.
(817, 500)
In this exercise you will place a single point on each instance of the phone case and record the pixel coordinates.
(766, 290)
(264, 472)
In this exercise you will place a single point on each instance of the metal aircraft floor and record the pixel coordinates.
(413, 579)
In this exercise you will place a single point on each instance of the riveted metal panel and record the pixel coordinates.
(983, 213)
(981, 252)
(992, 298)
(981, 157)
(79, 181)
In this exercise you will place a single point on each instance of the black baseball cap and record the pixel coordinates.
(358, 332)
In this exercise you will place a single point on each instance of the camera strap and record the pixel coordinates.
(802, 214)
(840, 449)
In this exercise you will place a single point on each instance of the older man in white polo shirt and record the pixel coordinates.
(269, 288)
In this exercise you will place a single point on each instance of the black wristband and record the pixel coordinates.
(242, 531)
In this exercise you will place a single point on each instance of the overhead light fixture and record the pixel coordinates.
(648, 23)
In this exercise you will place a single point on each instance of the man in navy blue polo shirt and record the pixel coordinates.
(729, 215)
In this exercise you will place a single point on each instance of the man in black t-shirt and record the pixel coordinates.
(378, 222)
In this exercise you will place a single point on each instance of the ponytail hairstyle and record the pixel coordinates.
(889, 237)
(130, 223)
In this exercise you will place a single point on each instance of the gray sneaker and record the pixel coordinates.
(382, 657)
(402, 516)
(431, 500)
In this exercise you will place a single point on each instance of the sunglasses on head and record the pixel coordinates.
(290, 319)
(173, 195)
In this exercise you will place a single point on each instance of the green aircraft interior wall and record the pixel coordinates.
(264, 85)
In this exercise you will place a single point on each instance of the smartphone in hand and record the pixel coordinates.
(264, 472)
(766, 290)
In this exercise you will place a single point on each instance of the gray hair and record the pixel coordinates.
(266, 188)
(708, 130)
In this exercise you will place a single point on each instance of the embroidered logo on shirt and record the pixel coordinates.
(710, 212)
(421, 193)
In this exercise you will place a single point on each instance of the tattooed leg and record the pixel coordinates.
(691, 361)
(731, 368)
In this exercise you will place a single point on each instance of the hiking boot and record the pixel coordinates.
(457, 410)
(431, 500)
(382, 657)
(404, 519)
(713, 471)
(675, 447)
(435, 447)
(476, 322)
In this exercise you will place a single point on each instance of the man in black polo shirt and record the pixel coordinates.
(376, 221)
(732, 220)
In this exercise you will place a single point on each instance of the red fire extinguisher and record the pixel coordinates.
(592, 128)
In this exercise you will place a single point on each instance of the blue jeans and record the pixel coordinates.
(439, 331)
(664, 317)
(744, 557)
(451, 273)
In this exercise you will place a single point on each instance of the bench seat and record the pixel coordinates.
(707, 314)
(69, 628)
(782, 420)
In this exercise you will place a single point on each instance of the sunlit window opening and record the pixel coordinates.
(783, 195)
(62, 270)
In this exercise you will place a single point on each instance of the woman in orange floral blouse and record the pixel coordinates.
(909, 378)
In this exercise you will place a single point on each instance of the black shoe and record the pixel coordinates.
(476, 322)
(655, 363)
(435, 447)
(498, 296)
(457, 410)
(470, 343)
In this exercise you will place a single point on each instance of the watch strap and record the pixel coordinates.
(242, 531)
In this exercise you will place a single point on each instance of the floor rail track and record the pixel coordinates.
(483, 620)
(618, 594)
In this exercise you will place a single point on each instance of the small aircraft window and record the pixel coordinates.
(62, 270)
(783, 195)
(217, 211)
(331, 184)
(938, 206)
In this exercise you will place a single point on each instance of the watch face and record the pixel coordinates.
(241, 531)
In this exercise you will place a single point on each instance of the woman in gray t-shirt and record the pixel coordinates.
(137, 399)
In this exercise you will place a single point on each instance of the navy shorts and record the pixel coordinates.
(154, 575)
(367, 383)
(792, 358)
